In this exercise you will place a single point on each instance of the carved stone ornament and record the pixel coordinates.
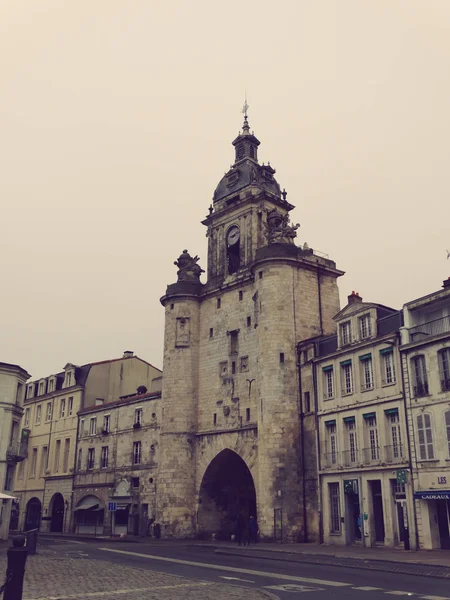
(278, 230)
(188, 269)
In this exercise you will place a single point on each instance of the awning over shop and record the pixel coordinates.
(349, 419)
(6, 497)
(433, 495)
(88, 504)
(391, 411)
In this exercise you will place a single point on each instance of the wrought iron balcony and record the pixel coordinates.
(371, 455)
(330, 460)
(394, 454)
(421, 389)
(16, 452)
(430, 328)
(350, 458)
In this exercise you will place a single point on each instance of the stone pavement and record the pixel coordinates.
(57, 573)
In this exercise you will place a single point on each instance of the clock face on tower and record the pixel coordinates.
(233, 235)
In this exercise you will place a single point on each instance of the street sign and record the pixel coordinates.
(402, 475)
(112, 506)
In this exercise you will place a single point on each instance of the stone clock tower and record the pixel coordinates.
(231, 434)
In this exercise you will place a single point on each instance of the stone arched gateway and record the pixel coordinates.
(227, 491)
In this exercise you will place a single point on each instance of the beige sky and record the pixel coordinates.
(116, 123)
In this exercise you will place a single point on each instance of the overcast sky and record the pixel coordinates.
(116, 123)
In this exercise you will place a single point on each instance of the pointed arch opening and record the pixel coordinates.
(227, 491)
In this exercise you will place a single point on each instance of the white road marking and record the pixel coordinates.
(127, 591)
(236, 579)
(399, 593)
(434, 597)
(367, 588)
(230, 569)
(293, 587)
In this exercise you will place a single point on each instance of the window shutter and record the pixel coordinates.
(421, 435)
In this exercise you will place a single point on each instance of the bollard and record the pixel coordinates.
(17, 556)
(31, 541)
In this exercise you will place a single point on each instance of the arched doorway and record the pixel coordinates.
(89, 515)
(227, 490)
(33, 514)
(57, 513)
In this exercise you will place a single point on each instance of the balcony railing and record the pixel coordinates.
(374, 456)
(16, 452)
(394, 454)
(435, 327)
(421, 389)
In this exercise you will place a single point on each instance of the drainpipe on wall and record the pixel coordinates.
(408, 436)
(302, 442)
(319, 466)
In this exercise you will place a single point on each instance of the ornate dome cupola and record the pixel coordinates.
(246, 171)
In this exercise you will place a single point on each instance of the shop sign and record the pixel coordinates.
(432, 495)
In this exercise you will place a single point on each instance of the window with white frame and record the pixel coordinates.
(332, 442)
(425, 436)
(37, 420)
(30, 390)
(372, 437)
(395, 433)
(104, 457)
(91, 458)
(41, 388)
(44, 460)
(138, 416)
(387, 358)
(69, 379)
(62, 408)
(26, 420)
(335, 508)
(51, 385)
(34, 457)
(347, 377)
(57, 455)
(137, 453)
(366, 372)
(80, 459)
(70, 406)
(48, 413)
(365, 327)
(106, 423)
(352, 444)
(346, 333)
(82, 427)
(93, 426)
(420, 378)
(447, 427)
(444, 368)
(328, 382)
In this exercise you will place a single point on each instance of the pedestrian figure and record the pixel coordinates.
(239, 530)
(252, 530)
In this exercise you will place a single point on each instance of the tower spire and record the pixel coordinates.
(245, 128)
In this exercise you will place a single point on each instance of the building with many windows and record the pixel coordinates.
(362, 439)
(13, 440)
(425, 354)
(43, 482)
(117, 460)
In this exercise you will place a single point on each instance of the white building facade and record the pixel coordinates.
(13, 443)
(425, 354)
(362, 437)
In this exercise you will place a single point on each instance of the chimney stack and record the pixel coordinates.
(128, 354)
(354, 298)
(446, 284)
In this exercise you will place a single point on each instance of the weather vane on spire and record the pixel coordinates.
(245, 107)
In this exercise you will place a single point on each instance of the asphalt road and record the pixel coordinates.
(284, 578)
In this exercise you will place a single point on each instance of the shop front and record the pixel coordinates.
(89, 516)
(435, 511)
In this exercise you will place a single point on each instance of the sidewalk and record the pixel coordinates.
(68, 574)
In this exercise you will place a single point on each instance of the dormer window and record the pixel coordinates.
(365, 327)
(41, 388)
(30, 391)
(51, 385)
(346, 333)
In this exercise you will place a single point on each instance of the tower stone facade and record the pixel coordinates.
(231, 438)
